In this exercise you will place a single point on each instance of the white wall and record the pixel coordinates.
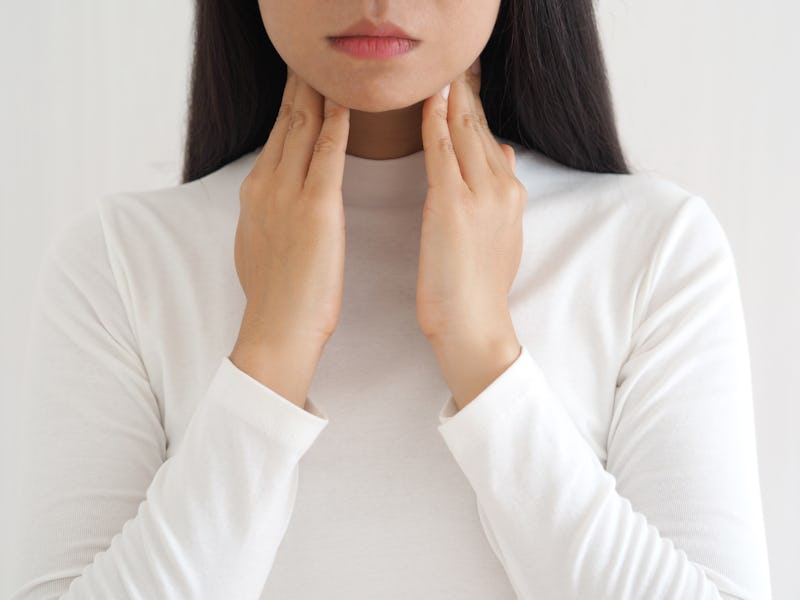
(93, 101)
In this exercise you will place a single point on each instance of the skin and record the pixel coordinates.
(290, 235)
(384, 96)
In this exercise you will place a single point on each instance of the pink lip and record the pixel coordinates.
(365, 28)
(373, 47)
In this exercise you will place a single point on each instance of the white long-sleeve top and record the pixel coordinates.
(614, 458)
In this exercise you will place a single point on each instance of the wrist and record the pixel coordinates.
(494, 337)
(470, 363)
(284, 368)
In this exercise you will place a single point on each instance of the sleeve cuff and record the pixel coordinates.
(498, 397)
(279, 418)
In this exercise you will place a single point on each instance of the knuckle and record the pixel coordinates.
(324, 143)
(445, 144)
(299, 118)
(440, 113)
(512, 189)
(505, 190)
(470, 120)
(246, 189)
(256, 193)
(284, 111)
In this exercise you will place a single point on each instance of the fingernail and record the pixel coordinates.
(445, 91)
(476, 66)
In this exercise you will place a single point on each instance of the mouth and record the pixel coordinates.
(373, 47)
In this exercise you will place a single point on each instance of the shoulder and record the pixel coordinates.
(156, 224)
(642, 209)
(644, 231)
(640, 192)
(89, 241)
(180, 213)
(111, 215)
(123, 235)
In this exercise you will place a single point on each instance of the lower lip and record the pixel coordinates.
(373, 47)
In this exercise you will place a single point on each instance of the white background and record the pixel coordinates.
(94, 101)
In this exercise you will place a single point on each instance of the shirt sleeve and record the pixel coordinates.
(102, 514)
(676, 511)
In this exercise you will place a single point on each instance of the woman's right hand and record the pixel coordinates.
(290, 238)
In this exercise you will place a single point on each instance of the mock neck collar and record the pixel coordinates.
(388, 182)
(393, 182)
(365, 182)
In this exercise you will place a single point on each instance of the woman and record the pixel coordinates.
(577, 327)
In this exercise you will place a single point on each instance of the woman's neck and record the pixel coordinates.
(385, 135)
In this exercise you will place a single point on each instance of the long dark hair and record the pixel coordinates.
(543, 84)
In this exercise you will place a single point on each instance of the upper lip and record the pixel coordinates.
(368, 28)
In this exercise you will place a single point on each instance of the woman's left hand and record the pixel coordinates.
(471, 239)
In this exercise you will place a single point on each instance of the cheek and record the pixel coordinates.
(470, 30)
(444, 60)
(283, 26)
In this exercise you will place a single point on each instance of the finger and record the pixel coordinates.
(326, 170)
(304, 126)
(465, 133)
(441, 164)
(267, 160)
(495, 156)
